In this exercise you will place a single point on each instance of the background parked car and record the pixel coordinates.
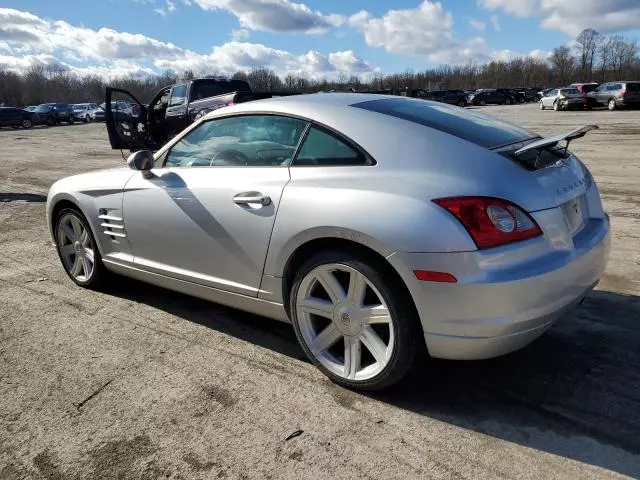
(30, 108)
(585, 89)
(15, 117)
(452, 97)
(513, 96)
(85, 112)
(53, 113)
(617, 94)
(487, 97)
(563, 99)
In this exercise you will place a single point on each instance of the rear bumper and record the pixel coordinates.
(495, 309)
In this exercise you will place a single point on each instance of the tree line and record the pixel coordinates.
(594, 57)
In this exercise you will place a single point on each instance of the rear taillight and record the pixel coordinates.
(491, 222)
(623, 93)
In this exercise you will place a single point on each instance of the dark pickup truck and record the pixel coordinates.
(173, 108)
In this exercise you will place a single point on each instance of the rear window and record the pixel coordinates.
(206, 90)
(633, 87)
(474, 127)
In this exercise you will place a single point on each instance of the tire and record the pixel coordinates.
(556, 107)
(507, 101)
(71, 218)
(70, 120)
(611, 104)
(483, 102)
(26, 123)
(51, 121)
(400, 327)
(460, 104)
(87, 119)
(542, 107)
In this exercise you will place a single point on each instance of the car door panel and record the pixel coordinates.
(184, 223)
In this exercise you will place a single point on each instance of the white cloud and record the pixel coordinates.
(240, 35)
(495, 23)
(425, 31)
(275, 15)
(29, 41)
(477, 25)
(573, 16)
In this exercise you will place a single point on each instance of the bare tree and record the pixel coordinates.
(563, 64)
(587, 45)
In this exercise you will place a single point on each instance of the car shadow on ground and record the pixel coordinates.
(581, 379)
(25, 197)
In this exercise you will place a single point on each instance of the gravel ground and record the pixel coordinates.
(139, 382)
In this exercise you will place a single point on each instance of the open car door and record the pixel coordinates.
(128, 122)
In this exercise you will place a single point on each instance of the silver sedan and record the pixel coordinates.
(378, 226)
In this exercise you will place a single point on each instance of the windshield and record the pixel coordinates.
(43, 108)
(472, 126)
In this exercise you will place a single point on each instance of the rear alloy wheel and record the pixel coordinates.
(350, 324)
(77, 249)
(541, 105)
(87, 119)
(556, 106)
(483, 102)
(26, 123)
(507, 101)
(612, 104)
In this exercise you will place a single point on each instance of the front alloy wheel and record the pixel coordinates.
(77, 249)
(350, 324)
(612, 104)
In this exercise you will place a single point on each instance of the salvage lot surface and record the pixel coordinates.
(139, 382)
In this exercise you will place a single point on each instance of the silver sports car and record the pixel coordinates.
(376, 225)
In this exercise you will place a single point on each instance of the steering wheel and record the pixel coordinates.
(230, 157)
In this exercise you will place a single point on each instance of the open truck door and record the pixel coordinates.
(128, 122)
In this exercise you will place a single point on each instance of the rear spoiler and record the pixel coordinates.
(550, 141)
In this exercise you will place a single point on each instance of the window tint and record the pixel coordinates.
(202, 90)
(242, 141)
(321, 148)
(178, 95)
(465, 124)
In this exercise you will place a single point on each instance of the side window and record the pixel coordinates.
(240, 141)
(552, 93)
(324, 149)
(178, 95)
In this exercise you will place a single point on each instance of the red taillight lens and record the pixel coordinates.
(491, 222)
(623, 92)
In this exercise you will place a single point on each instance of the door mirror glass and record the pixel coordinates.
(142, 160)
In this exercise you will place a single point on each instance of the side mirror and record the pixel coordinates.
(141, 160)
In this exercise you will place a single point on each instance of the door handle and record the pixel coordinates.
(252, 197)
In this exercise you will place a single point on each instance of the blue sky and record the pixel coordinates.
(315, 37)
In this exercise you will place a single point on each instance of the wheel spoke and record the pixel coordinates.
(357, 288)
(331, 285)
(84, 238)
(86, 266)
(317, 306)
(68, 231)
(374, 344)
(325, 339)
(67, 250)
(375, 314)
(76, 269)
(88, 252)
(77, 227)
(352, 356)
